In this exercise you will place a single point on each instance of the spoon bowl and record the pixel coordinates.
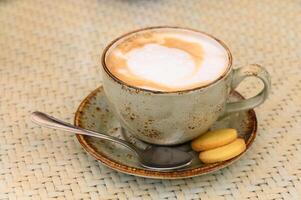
(165, 158)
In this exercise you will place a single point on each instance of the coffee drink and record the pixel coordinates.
(167, 59)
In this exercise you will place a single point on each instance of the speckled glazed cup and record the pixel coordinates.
(169, 118)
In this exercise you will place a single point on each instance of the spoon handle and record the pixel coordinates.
(51, 122)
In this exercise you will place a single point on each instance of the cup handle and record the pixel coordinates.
(238, 76)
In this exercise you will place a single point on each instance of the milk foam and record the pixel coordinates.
(167, 60)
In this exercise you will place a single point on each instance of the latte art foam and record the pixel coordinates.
(167, 59)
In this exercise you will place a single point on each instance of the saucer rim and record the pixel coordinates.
(147, 173)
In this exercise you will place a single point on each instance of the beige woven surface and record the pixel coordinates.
(49, 61)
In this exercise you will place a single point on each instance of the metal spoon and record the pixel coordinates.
(154, 157)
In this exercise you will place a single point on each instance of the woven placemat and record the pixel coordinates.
(49, 61)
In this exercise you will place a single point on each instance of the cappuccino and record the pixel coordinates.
(167, 59)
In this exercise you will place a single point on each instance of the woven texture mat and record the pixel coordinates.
(49, 61)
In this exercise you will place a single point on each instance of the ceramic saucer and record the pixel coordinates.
(94, 114)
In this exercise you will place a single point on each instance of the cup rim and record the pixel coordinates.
(103, 57)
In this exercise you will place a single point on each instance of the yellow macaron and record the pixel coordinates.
(223, 153)
(213, 139)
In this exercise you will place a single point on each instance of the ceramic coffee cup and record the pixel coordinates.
(169, 118)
